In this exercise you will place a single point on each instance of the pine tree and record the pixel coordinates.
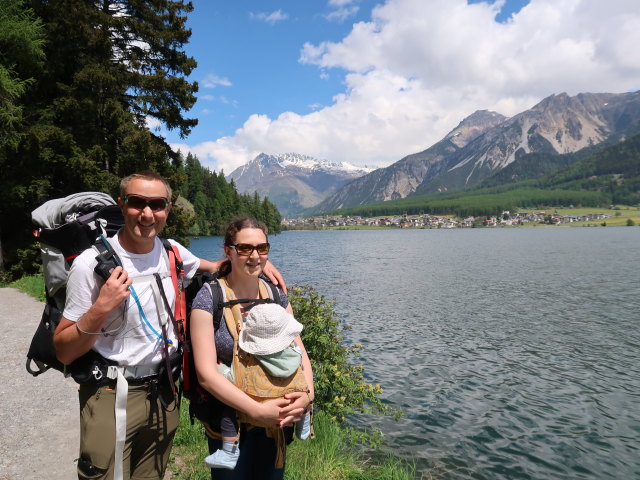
(110, 65)
(21, 55)
(21, 40)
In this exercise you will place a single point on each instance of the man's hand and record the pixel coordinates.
(114, 291)
(274, 275)
(74, 339)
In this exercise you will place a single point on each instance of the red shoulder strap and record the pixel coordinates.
(177, 278)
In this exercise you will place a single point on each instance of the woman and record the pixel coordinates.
(246, 248)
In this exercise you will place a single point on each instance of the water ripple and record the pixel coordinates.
(515, 354)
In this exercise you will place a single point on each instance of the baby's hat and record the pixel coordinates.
(268, 329)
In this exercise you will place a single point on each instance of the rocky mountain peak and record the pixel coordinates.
(473, 126)
(294, 181)
(486, 142)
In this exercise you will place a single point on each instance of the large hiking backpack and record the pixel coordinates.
(66, 227)
(202, 405)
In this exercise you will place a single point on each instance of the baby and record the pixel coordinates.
(268, 334)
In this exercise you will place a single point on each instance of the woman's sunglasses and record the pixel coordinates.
(140, 202)
(244, 249)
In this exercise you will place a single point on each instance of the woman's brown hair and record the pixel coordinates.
(230, 237)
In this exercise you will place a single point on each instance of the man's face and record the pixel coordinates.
(145, 208)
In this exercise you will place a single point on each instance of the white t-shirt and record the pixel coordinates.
(126, 338)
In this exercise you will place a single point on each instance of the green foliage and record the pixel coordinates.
(340, 387)
(330, 456)
(21, 41)
(630, 222)
(482, 202)
(189, 449)
(32, 285)
(216, 201)
(108, 66)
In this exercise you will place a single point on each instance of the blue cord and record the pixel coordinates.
(135, 296)
(144, 317)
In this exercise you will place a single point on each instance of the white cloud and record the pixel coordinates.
(340, 3)
(212, 81)
(227, 101)
(154, 124)
(270, 18)
(341, 14)
(418, 68)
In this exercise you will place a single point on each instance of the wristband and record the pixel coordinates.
(83, 332)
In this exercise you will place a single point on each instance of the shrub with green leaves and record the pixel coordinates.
(340, 387)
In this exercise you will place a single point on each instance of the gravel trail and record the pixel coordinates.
(39, 426)
(39, 420)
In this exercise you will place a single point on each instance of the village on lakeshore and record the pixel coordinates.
(435, 221)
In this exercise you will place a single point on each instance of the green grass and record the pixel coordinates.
(32, 285)
(189, 449)
(326, 457)
(329, 457)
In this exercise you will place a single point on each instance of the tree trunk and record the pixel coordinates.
(1, 256)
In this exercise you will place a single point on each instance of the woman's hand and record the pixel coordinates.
(298, 402)
(268, 413)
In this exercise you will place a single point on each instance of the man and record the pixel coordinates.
(127, 422)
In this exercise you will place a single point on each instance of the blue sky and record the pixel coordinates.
(370, 81)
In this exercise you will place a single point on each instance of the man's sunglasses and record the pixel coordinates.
(140, 202)
(244, 249)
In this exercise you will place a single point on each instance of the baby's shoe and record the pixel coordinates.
(226, 457)
(303, 427)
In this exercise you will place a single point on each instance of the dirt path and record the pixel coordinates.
(39, 424)
(39, 416)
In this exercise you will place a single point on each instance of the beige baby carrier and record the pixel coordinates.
(252, 378)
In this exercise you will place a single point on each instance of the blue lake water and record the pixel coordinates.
(515, 353)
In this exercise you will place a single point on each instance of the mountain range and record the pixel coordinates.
(485, 148)
(294, 182)
(485, 143)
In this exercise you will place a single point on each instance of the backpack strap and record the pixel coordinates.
(220, 301)
(176, 267)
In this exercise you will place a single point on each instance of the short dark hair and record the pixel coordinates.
(144, 175)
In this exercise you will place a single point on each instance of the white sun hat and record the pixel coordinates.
(268, 329)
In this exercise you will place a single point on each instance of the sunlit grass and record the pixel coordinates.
(326, 457)
(32, 285)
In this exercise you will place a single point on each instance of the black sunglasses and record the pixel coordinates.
(140, 202)
(244, 249)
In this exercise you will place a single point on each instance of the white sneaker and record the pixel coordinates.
(303, 427)
(222, 459)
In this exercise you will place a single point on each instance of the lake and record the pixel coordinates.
(514, 352)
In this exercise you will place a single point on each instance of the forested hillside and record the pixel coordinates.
(78, 83)
(215, 201)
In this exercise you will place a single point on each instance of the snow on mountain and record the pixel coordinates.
(294, 181)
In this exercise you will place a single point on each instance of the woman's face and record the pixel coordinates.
(252, 264)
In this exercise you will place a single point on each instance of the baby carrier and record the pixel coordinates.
(249, 374)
